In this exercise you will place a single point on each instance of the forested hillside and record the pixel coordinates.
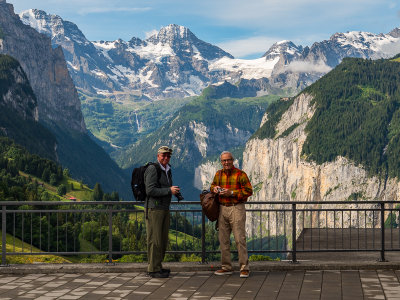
(28, 177)
(357, 116)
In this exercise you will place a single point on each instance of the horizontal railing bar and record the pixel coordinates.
(99, 252)
(320, 210)
(186, 210)
(91, 210)
(344, 250)
(69, 211)
(18, 203)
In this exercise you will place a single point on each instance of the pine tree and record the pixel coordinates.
(97, 193)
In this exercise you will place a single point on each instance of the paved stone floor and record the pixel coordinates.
(295, 284)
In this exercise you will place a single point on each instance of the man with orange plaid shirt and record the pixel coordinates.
(233, 187)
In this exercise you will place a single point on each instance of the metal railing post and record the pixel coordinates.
(110, 243)
(3, 236)
(294, 229)
(203, 238)
(382, 259)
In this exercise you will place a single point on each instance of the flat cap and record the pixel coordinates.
(164, 149)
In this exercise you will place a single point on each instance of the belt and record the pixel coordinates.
(229, 204)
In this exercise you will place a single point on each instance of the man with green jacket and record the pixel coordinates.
(159, 190)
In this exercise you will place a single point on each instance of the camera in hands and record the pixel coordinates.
(179, 196)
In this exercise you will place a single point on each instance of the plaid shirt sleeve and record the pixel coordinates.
(244, 190)
(238, 182)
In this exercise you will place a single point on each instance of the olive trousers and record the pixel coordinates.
(157, 228)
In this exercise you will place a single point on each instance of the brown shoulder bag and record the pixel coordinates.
(210, 204)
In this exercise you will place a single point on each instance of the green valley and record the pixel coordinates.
(117, 125)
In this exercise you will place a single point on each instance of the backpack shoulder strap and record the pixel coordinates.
(158, 169)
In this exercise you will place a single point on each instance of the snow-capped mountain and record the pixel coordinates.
(174, 63)
(171, 63)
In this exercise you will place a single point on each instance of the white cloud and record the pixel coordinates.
(391, 49)
(106, 9)
(307, 67)
(82, 7)
(151, 32)
(284, 12)
(247, 47)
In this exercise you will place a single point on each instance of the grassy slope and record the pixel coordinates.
(16, 245)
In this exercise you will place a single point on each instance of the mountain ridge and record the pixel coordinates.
(175, 63)
(59, 108)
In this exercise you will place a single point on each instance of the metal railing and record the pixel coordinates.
(116, 229)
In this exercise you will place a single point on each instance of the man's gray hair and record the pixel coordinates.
(226, 152)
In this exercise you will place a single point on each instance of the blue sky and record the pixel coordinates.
(246, 29)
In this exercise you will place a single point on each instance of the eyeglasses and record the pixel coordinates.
(165, 155)
(226, 160)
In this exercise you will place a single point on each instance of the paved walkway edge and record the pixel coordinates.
(193, 267)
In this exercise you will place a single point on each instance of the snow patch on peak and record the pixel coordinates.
(384, 45)
(175, 29)
(249, 68)
(283, 47)
(153, 52)
(102, 45)
(39, 20)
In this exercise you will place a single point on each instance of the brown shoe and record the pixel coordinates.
(244, 273)
(223, 272)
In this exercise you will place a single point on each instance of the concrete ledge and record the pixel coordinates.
(194, 266)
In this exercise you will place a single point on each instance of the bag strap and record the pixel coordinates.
(158, 169)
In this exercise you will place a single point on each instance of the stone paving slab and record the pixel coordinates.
(292, 284)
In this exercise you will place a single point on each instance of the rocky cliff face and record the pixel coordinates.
(277, 167)
(279, 172)
(45, 68)
(58, 107)
(15, 92)
(19, 111)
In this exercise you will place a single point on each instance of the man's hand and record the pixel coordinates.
(217, 189)
(175, 189)
(222, 192)
(226, 193)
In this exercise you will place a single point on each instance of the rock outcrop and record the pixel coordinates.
(46, 69)
(278, 172)
(16, 93)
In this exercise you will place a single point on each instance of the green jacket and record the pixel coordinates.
(158, 191)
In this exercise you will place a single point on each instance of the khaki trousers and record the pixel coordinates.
(233, 219)
(157, 228)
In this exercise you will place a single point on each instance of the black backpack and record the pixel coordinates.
(137, 181)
